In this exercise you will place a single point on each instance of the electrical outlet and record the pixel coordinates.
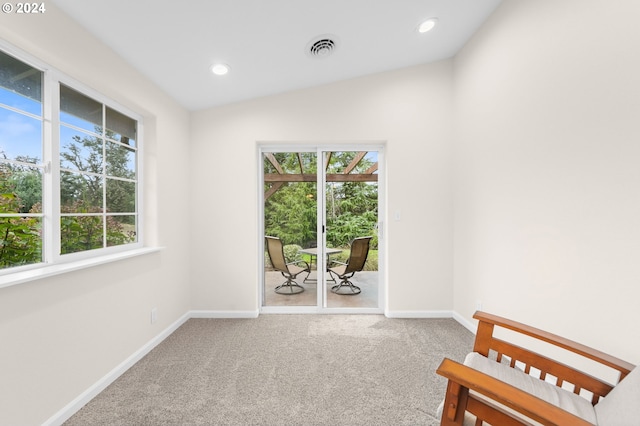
(478, 305)
(154, 315)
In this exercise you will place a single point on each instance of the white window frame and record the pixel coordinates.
(54, 263)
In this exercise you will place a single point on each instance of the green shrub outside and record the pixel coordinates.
(292, 254)
(370, 265)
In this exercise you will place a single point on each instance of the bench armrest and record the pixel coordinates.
(485, 329)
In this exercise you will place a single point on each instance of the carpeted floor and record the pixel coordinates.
(286, 370)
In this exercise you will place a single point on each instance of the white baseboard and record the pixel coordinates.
(434, 314)
(465, 322)
(70, 409)
(419, 314)
(223, 314)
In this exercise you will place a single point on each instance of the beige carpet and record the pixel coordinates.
(286, 370)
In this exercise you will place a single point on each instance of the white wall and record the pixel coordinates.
(410, 109)
(547, 170)
(59, 336)
(544, 208)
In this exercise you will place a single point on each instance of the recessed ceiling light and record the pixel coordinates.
(427, 25)
(220, 69)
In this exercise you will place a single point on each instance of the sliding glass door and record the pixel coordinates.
(351, 223)
(320, 246)
(290, 215)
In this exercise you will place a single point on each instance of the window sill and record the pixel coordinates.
(61, 268)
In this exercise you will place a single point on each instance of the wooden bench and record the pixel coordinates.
(473, 396)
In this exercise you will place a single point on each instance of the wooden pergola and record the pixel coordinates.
(280, 178)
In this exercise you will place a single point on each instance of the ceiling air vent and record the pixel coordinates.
(322, 46)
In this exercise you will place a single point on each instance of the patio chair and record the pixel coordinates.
(345, 271)
(288, 270)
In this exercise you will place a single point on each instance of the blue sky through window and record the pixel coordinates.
(373, 157)
(20, 134)
(23, 103)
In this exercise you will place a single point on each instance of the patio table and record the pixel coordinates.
(313, 252)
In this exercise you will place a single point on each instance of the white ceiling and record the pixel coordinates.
(174, 43)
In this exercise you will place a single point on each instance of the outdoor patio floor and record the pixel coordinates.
(367, 281)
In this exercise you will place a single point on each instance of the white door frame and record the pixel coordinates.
(320, 149)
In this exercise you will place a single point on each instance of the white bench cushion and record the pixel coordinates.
(622, 406)
(552, 394)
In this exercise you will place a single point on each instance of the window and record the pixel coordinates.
(69, 186)
(97, 174)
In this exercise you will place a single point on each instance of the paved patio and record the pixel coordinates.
(367, 281)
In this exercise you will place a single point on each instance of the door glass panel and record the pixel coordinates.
(351, 214)
(290, 215)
